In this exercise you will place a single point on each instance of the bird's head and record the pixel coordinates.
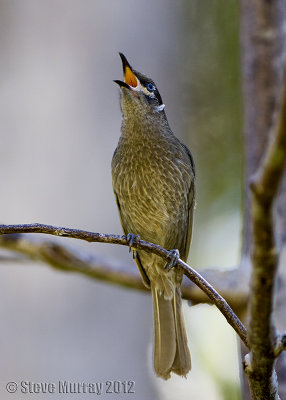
(139, 93)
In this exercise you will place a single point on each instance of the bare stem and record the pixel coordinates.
(231, 283)
(194, 276)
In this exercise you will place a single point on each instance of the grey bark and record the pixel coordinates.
(263, 50)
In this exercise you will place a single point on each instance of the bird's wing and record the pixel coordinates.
(142, 271)
(122, 221)
(191, 205)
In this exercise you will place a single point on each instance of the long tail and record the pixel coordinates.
(171, 352)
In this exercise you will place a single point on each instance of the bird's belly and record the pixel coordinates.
(150, 205)
(144, 212)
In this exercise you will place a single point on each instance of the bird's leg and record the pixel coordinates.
(174, 254)
(130, 240)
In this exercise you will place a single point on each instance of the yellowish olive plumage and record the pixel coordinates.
(153, 181)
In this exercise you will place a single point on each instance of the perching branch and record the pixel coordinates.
(230, 283)
(194, 276)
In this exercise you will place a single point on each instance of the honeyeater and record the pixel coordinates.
(153, 176)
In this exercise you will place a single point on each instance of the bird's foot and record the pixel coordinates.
(130, 240)
(174, 255)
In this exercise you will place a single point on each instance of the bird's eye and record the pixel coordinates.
(150, 87)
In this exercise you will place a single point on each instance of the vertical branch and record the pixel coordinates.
(262, 335)
(263, 38)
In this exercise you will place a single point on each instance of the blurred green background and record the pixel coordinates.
(60, 123)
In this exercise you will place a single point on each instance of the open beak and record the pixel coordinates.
(130, 80)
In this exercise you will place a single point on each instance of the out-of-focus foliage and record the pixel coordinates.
(60, 122)
(211, 119)
(210, 82)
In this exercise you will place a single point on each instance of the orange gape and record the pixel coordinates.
(130, 78)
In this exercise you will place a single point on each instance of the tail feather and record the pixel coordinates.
(182, 362)
(171, 351)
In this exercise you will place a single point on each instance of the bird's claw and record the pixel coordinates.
(174, 254)
(130, 240)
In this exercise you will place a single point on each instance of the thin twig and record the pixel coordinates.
(194, 276)
(280, 344)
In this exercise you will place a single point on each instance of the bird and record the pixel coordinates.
(153, 178)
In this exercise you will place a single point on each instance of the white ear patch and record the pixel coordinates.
(160, 108)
